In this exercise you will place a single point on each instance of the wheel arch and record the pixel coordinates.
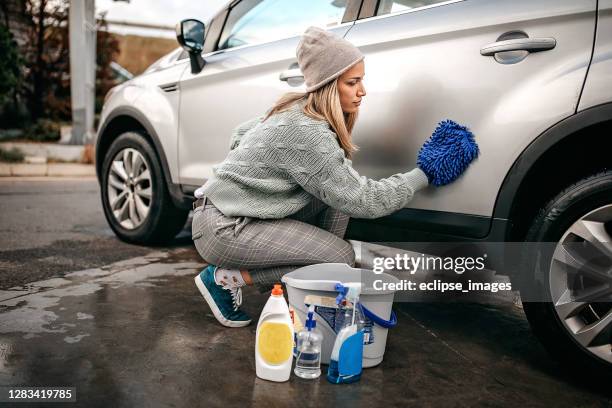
(126, 119)
(568, 151)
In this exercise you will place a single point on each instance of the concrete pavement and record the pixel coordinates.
(126, 326)
(138, 333)
(47, 169)
(50, 226)
(52, 151)
(41, 159)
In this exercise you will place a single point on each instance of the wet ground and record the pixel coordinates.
(136, 332)
(50, 226)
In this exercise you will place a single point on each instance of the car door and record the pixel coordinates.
(241, 78)
(430, 60)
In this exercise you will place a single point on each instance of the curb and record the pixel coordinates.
(67, 153)
(47, 169)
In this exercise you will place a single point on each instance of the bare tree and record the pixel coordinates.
(40, 28)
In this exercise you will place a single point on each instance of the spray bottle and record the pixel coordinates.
(308, 360)
(345, 364)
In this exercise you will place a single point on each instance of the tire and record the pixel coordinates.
(143, 211)
(568, 328)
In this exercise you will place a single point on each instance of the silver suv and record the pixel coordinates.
(531, 79)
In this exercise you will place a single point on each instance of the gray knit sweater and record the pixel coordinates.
(274, 168)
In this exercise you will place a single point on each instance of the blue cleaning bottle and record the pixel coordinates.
(345, 364)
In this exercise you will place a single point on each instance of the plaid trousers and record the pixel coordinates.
(270, 248)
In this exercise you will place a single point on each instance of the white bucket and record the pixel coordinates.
(320, 280)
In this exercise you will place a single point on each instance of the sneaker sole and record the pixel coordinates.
(213, 306)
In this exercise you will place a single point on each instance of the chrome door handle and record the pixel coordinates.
(291, 74)
(519, 44)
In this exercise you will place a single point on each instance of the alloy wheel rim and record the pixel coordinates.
(129, 188)
(580, 281)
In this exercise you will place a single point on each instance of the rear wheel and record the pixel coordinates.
(135, 197)
(573, 277)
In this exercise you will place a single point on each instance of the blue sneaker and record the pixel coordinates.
(224, 302)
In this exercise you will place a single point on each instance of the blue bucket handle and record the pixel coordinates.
(386, 324)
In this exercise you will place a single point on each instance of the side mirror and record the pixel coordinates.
(190, 35)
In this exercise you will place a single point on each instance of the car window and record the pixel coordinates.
(256, 21)
(396, 6)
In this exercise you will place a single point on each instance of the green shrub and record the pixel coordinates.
(10, 65)
(43, 130)
(13, 113)
(14, 116)
(14, 155)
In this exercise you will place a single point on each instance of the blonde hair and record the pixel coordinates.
(323, 104)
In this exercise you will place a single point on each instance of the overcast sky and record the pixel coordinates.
(160, 12)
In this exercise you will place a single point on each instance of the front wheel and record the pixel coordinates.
(573, 278)
(135, 198)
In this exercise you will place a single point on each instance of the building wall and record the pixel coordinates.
(136, 53)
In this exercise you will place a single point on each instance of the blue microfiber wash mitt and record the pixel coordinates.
(447, 153)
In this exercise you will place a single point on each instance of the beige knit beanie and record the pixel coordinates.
(323, 57)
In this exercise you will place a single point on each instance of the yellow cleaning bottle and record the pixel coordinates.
(274, 339)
